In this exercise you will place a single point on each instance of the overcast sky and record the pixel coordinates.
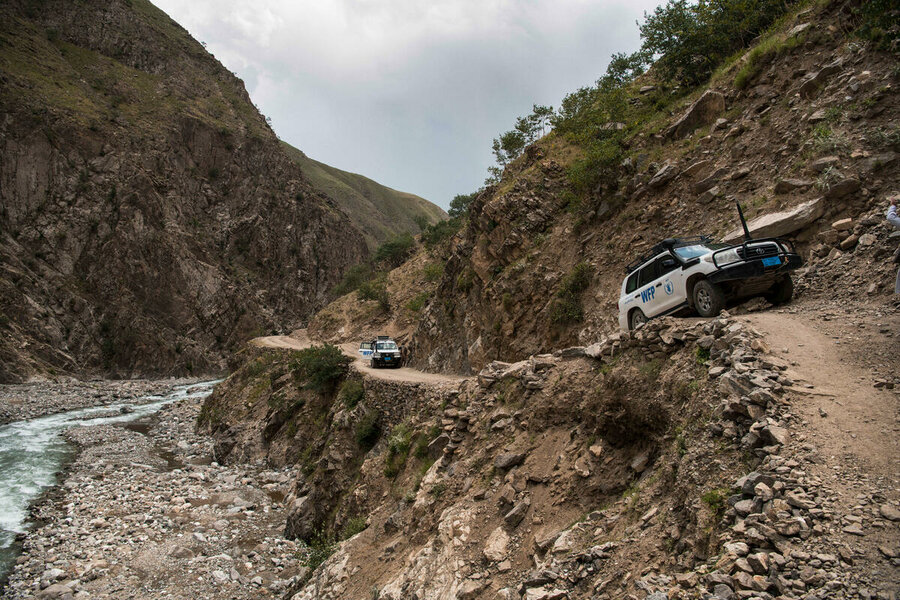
(409, 92)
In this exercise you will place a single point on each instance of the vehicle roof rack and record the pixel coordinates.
(384, 337)
(666, 245)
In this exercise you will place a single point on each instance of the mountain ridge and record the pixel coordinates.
(377, 210)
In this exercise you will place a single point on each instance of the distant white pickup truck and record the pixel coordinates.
(381, 352)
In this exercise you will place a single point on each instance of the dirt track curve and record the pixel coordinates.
(831, 364)
(298, 340)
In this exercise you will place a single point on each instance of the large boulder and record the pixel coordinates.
(704, 111)
(781, 223)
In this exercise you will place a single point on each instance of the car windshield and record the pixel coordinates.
(692, 251)
(386, 346)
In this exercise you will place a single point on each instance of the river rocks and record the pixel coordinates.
(31, 400)
(133, 504)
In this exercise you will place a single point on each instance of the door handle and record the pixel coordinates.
(658, 285)
(637, 295)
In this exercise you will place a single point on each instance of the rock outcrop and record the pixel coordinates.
(149, 219)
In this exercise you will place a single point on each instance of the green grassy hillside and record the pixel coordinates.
(377, 210)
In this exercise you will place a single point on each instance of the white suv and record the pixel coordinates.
(694, 274)
(383, 352)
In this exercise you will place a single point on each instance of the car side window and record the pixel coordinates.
(665, 265)
(648, 274)
(632, 283)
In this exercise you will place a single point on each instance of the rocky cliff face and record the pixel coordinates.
(810, 136)
(150, 220)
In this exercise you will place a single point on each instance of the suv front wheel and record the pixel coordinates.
(708, 299)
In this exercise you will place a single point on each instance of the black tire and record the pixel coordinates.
(709, 300)
(636, 319)
(374, 365)
(781, 292)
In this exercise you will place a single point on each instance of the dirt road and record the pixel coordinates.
(832, 362)
(298, 340)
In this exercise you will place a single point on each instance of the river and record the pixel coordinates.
(33, 452)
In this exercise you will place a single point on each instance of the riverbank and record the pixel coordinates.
(31, 400)
(143, 513)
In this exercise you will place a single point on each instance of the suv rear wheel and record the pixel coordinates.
(781, 292)
(708, 299)
(636, 319)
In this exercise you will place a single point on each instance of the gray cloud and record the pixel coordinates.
(409, 92)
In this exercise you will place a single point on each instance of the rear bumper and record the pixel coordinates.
(752, 269)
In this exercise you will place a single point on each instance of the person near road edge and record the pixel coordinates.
(894, 220)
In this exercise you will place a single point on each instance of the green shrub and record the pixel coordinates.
(716, 499)
(763, 54)
(568, 307)
(321, 366)
(433, 271)
(465, 280)
(598, 167)
(368, 431)
(879, 21)
(434, 234)
(318, 549)
(376, 289)
(693, 38)
(352, 392)
(702, 355)
(459, 206)
(438, 490)
(395, 250)
(397, 450)
(354, 277)
(353, 526)
(418, 302)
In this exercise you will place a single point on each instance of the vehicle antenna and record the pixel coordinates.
(747, 235)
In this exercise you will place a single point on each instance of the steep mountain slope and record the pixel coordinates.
(809, 116)
(150, 219)
(378, 211)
